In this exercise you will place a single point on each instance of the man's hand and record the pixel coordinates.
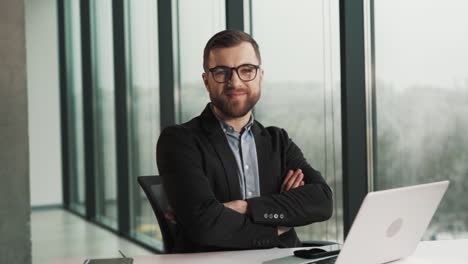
(239, 206)
(282, 229)
(293, 179)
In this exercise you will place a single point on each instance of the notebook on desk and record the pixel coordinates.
(389, 224)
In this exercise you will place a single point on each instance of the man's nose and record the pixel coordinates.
(235, 79)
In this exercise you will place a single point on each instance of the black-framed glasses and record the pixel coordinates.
(246, 72)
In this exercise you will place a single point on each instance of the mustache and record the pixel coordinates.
(231, 90)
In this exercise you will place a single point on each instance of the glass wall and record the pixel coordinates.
(299, 42)
(197, 21)
(422, 103)
(421, 96)
(74, 106)
(143, 113)
(104, 111)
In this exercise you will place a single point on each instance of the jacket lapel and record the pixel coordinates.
(218, 140)
(263, 146)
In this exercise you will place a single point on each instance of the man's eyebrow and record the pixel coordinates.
(221, 66)
(224, 66)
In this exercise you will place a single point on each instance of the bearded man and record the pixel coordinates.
(233, 183)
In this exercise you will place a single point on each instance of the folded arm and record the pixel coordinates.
(306, 204)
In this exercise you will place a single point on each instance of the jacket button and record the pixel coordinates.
(265, 216)
(270, 216)
(276, 216)
(281, 216)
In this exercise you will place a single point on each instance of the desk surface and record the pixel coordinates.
(427, 252)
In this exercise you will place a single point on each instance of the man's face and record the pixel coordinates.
(235, 98)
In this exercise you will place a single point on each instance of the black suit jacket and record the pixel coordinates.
(199, 173)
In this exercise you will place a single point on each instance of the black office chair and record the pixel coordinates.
(152, 187)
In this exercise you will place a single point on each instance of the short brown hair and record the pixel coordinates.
(226, 39)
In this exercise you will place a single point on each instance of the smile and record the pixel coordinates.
(235, 94)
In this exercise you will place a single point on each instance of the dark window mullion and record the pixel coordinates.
(353, 104)
(90, 184)
(63, 104)
(166, 64)
(235, 14)
(121, 110)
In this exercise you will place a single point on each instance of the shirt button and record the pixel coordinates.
(276, 216)
(249, 194)
(281, 216)
(265, 216)
(246, 167)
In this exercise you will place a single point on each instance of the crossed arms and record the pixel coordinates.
(304, 196)
(293, 179)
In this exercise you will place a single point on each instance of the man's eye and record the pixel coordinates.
(219, 73)
(246, 70)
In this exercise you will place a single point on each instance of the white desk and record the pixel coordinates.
(427, 252)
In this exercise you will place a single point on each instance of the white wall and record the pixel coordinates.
(43, 102)
(15, 235)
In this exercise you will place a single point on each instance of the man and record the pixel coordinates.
(234, 184)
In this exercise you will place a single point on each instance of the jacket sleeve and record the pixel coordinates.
(300, 206)
(202, 217)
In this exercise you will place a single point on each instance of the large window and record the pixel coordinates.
(197, 22)
(104, 111)
(422, 103)
(299, 42)
(143, 114)
(74, 104)
(421, 96)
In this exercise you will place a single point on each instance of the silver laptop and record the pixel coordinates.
(390, 224)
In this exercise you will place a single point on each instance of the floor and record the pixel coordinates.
(58, 234)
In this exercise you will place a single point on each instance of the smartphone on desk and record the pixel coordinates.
(109, 261)
(315, 253)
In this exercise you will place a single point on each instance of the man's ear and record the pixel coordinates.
(262, 72)
(205, 79)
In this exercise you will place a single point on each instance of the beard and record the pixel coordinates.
(234, 107)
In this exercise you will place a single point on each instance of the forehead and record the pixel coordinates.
(233, 56)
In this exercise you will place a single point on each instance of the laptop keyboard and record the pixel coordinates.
(325, 261)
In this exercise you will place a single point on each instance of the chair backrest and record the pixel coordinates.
(152, 187)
